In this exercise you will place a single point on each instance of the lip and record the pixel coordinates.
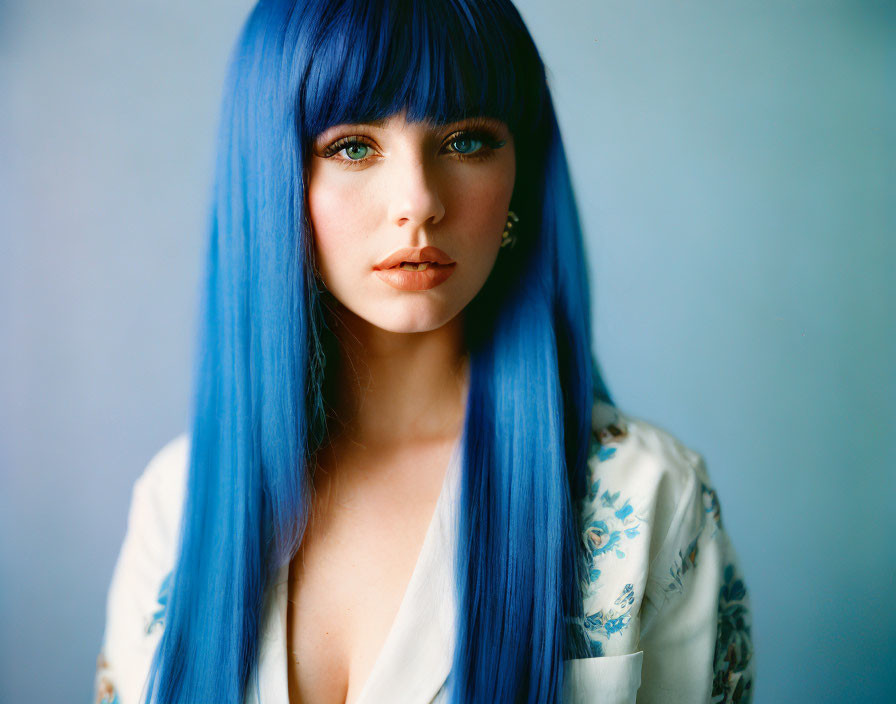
(431, 277)
(415, 255)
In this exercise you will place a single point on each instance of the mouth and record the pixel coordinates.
(417, 266)
(416, 276)
(414, 257)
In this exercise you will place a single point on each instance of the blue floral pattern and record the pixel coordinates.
(607, 436)
(732, 671)
(608, 527)
(158, 617)
(683, 563)
(687, 558)
(609, 524)
(104, 689)
(601, 625)
(732, 667)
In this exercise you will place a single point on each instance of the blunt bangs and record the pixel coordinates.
(439, 61)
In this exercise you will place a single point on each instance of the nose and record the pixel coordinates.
(414, 193)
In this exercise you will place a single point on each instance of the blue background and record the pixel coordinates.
(734, 164)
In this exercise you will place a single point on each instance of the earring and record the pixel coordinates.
(508, 239)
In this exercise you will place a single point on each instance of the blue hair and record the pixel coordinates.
(258, 405)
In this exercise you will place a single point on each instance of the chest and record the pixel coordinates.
(349, 577)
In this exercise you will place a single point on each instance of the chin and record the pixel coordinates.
(412, 319)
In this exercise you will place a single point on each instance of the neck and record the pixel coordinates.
(392, 388)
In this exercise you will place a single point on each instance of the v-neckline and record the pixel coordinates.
(377, 677)
(427, 597)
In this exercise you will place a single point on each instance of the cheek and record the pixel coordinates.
(481, 207)
(338, 210)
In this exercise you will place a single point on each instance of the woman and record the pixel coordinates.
(405, 479)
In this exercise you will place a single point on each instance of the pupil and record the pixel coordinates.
(353, 149)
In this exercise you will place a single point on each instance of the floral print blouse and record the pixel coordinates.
(667, 611)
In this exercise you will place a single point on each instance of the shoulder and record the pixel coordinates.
(640, 454)
(158, 495)
(148, 549)
(651, 471)
(166, 470)
(137, 595)
(644, 505)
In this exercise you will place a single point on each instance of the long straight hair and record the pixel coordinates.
(258, 405)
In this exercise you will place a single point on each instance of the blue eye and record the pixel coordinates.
(468, 144)
(474, 144)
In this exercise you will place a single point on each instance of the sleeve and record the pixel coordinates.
(137, 594)
(696, 622)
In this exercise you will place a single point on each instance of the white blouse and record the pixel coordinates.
(666, 609)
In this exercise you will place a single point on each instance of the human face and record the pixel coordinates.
(375, 189)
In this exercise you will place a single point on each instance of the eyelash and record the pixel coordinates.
(489, 139)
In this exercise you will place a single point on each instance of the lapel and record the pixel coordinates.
(416, 657)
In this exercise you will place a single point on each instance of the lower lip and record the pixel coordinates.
(429, 278)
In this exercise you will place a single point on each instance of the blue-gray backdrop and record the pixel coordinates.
(734, 163)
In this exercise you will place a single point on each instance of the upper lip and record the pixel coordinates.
(415, 255)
